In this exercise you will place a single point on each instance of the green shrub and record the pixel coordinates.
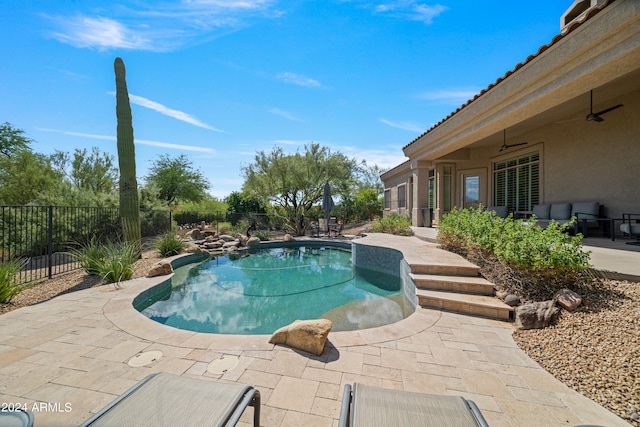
(118, 262)
(8, 283)
(393, 224)
(169, 244)
(113, 260)
(548, 255)
(263, 235)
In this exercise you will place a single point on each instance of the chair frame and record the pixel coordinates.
(251, 397)
(348, 396)
(631, 219)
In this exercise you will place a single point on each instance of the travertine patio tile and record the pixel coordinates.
(485, 383)
(329, 390)
(506, 356)
(83, 335)
(287, 363)
(398, 359)
(372, 360)
(325, 375)
(535, 396)
(294, 393)
(427, 383)
(117, 386)
(347, 362)
(170, 350)
(539, 379)
(414, 347)
(62, 347)
(440, 370)
(326, 407)
(527, 413)
(382, 372)
(172, 365)
(120, 352)
(200, 355)
(259, 379)
(9, 355)
(451, 357)
(484, 402)
(197, 369)
(31, 341)
(270, 416)
(468, 347)
(297, 419)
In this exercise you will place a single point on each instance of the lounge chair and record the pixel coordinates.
(170, 400)
(630, 225)
(18, 417)
(372, 406)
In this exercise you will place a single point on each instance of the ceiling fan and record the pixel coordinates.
(595, 117)
(504, 143)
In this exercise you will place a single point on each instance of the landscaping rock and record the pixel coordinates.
(512, 300)
(537, 315)
(213, 245)
(195, 234)
(209, 233)
(288, 238)
(568, 299)
(253, 241)
(231, 244)
(160, 269)
(305, 335)
(227, 238)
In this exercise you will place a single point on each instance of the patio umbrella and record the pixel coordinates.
(327, 203)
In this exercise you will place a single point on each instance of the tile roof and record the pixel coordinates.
(570, 28)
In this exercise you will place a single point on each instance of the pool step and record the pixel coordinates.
(462, 284)
(477, 305)
(461, 268)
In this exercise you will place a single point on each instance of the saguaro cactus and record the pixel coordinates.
(129, 202)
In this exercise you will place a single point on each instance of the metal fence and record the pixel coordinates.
(43, 235)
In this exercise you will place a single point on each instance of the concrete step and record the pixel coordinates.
(462, 284)
(458, 269)
(477, 305)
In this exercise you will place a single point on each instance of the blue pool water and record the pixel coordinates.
(261, 291)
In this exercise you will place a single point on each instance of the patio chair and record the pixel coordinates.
(20, 417)
(372, 406)
(630, 225)
(170, 400)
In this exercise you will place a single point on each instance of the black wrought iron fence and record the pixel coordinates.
(43, 235)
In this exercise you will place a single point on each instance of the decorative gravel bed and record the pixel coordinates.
(595, 350)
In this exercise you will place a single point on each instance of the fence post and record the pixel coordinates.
(50, 241)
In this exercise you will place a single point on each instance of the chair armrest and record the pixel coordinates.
(346, 406)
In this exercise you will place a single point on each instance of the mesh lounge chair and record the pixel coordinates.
(170, 400)
(368, 406)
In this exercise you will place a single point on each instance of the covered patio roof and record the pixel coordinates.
(599, 51)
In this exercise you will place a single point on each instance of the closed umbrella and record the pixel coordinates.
(327, 203)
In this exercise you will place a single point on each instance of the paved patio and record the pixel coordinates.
(71, 353)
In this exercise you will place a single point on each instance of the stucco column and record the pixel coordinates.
(420, 196)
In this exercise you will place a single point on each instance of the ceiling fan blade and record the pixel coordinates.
(608, 109)
(519, 143)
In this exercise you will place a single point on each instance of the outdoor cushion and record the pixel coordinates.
(585, 210)
(501, 211)
(632, 228)
(541, 211)
(560, 211)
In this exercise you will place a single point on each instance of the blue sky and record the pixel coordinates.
(219, 80)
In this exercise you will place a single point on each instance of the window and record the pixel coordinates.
(516, 182)
(387, 199)
(402, 196)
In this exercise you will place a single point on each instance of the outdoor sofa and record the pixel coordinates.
(366, 406)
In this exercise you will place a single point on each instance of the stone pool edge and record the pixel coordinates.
(119, 310)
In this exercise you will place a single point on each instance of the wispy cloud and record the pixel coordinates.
(137, 141)
(291, 142)
(155, 26)
(410, 126)
(285, 114)
(298, 79)
(410, 9)
(448, 96)
(385, 159)
(176, 114)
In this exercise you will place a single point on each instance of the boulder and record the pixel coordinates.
(231, 244)
(227, 238)
(191, 248)
(288, 238)
(305, 335)
(253, 241)
(512, 300)
(213, 245)
(160, 269)
(568, 299)
(209, 233)
(537, 315)
(195, 234)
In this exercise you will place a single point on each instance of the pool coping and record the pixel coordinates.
(119, 310)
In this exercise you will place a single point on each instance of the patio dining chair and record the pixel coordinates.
(630, 225)
(170, 400)
(373, 406)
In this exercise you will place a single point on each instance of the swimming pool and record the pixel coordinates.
(262, 290)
